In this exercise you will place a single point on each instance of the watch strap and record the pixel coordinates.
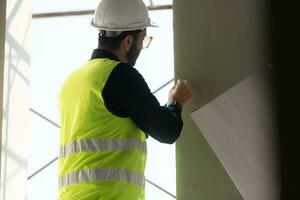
(175, 104)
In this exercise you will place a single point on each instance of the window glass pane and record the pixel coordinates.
(156, 63)
(43, 143)
(153, 193)
(57, 50)
(147, 2)
(161, 165)
(44, 185)
(39, 6)
(163, 94)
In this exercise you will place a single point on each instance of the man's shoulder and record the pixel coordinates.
(126, 70)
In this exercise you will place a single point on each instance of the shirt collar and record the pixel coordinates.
(101, 53)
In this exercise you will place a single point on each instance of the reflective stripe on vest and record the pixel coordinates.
(98, 144)
(91, 175)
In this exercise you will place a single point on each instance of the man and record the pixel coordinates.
(107, 111)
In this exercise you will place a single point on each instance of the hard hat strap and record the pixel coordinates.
(104, 33)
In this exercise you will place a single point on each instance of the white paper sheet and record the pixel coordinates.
(238, 125)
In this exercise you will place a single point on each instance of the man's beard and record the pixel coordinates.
(133, 54)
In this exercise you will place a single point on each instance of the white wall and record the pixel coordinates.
(15, 96)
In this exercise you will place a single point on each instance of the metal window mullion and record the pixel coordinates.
(90, 12)
(164, 85)
(160, 188)
(43, 117)
(42, 168)
(151, 3)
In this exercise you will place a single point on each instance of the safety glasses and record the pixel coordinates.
(147, 40)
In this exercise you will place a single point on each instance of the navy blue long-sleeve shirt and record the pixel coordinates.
(126, 94)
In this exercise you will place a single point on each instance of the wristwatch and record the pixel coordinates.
(175, 104)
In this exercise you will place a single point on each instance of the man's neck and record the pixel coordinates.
(118, 53)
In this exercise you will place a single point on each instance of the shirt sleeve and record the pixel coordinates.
(126, 94)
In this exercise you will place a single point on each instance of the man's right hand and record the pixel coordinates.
(181, 92)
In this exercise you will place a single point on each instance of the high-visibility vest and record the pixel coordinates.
(102, 156)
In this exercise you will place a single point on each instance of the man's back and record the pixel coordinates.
(102, 156)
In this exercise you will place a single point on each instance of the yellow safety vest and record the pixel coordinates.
(102, 156)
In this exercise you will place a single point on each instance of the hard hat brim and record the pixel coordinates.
(151, 24)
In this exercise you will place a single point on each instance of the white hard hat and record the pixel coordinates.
(121, 15)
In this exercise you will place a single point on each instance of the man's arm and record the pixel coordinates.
(126, 94)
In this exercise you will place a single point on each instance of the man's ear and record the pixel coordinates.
(127, 42)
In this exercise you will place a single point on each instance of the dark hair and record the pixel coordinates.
(115, 42)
